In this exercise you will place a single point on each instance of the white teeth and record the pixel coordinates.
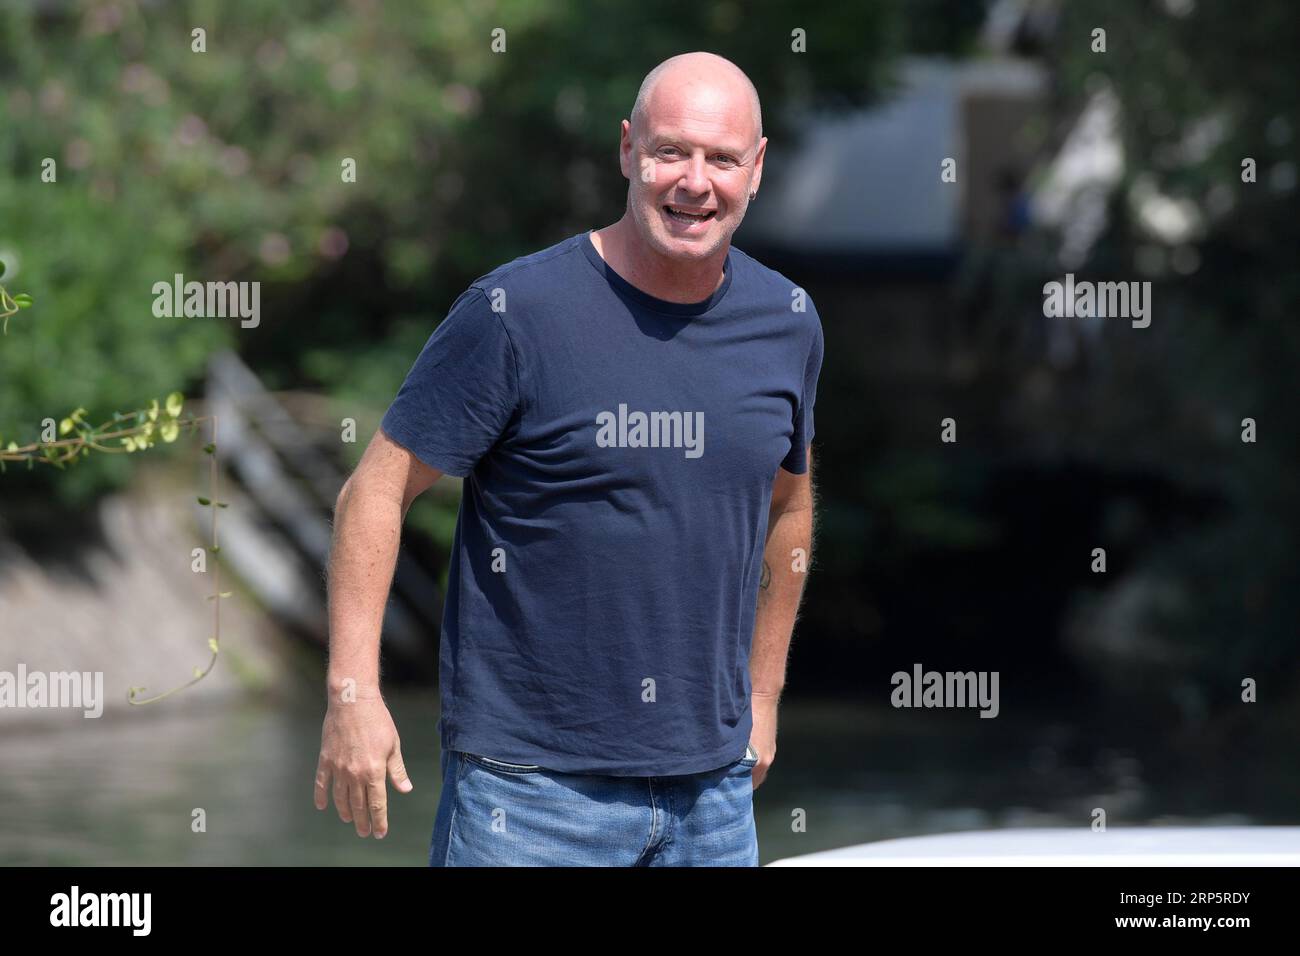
(691, 216)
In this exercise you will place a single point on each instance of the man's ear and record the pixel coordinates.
(758, 164)
(625, 149)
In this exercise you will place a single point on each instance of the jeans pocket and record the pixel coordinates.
(501, 765)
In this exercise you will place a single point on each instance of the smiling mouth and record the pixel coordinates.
(688, 217)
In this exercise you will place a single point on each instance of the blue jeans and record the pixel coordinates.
(501, 814)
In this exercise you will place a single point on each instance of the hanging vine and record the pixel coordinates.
(132, 431)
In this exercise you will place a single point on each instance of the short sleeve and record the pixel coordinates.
(796, 461)
(462, 391)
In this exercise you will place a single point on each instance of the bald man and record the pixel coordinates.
(631, 411)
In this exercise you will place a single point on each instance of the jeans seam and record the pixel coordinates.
(653, 821)
(671, 816)
(455, 804)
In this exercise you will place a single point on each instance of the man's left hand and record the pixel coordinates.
(763, 737)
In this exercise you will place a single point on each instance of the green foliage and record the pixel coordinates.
(227, 164)
(1200, 92)
(94, 341)
(133, 431)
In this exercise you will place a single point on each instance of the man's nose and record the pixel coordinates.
(695, 178)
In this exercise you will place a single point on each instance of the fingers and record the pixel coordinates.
(397, 772)
(377, 803)
(361, 803)
(377, 791)
(360, 788)
(321, 794)
(360, 809)
(342, 802)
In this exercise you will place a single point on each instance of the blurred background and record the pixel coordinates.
(1120, 689)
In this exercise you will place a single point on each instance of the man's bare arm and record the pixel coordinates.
(359, 742)
(786, 558)
(368, 518)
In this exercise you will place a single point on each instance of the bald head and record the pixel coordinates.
(685, 71)
(692, 153)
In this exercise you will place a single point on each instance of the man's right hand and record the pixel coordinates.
(359, 745)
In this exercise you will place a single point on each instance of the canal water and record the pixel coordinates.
(126, 788)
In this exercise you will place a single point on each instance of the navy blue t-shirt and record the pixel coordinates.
(618, 452)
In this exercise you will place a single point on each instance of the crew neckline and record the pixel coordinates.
(645, 299)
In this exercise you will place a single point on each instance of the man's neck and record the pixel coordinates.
(653, 273)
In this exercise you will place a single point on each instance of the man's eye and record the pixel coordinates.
(665, 150)
(729, 160)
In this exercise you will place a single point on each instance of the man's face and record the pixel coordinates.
(697, 155)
